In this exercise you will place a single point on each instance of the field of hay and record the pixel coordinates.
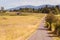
(18, 27)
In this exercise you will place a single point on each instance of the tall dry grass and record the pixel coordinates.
(18, 27)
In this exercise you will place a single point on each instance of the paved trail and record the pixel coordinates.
(41, 33)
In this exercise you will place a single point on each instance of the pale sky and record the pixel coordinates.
(14, 3)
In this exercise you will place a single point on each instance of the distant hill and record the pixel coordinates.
(30, 6)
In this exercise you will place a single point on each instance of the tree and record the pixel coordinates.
(2, 9)
(45, 9)
(57, 9)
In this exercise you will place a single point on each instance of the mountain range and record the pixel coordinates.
(30, 6)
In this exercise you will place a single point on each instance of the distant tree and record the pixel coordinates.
(39, 10)
(57, 6)
(45, 9)
(33, 9)
(57, 9)
(2, 9)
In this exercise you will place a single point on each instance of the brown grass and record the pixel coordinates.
(18, 27)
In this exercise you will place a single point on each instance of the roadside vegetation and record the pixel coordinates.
(53, 24)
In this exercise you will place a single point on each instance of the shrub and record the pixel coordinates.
(46, 24)
(50, 18)
(57, 27)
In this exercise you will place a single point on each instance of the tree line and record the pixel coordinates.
(46, 9)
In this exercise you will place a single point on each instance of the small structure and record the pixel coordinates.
(18, 13)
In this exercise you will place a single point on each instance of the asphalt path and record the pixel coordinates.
(41, 33)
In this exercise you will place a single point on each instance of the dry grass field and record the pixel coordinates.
(18, 27)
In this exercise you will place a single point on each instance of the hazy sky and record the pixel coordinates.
(14, 3)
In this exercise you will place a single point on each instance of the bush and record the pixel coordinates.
(57, 27)
(50, 18)
(46, 24)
